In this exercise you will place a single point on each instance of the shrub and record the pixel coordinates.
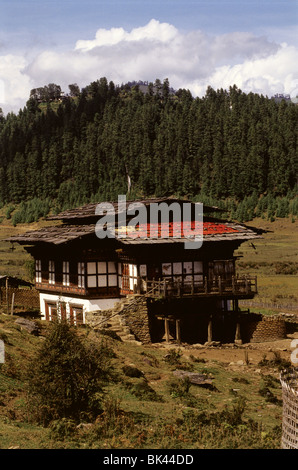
(277, 361)
(66, 377)
(131, 371)
(179, 388)
(62, 428)
(173, 357)
(143, 391)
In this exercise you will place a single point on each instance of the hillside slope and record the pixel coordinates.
(146, 405)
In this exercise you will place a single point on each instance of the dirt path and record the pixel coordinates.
(232, 353)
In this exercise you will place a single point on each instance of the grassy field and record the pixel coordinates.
(152, 409)
(274, 260)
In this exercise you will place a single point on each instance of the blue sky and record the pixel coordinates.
(194, 43)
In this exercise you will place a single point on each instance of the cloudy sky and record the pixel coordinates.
(193, 43)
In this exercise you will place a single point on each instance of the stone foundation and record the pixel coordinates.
(136, 317)
(267, 329)
(197, 324)
(133, 314)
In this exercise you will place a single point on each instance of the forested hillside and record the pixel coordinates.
(236, 149)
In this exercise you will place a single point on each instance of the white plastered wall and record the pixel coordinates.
(86, 304)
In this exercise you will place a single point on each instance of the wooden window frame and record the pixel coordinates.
(195, 273)
(81, 274)
(102, 277)
(38, 271)
(51, 272)
(65, 273)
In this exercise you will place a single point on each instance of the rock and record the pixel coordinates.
(240, 363)
(28, 325)
(194, 378)
(212, 343)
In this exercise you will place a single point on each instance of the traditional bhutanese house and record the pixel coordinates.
(77, 272)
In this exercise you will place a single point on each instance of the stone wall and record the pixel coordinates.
(137, 319)
(267, 329)
(98, 318)
(133, 313)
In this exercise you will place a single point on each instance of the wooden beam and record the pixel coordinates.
(210, 329)
(167, 330)
(238, 339)
(178, 331)
(12, 304)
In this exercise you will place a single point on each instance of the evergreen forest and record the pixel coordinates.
(228, 148)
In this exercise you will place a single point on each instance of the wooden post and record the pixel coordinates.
(238, 339)
(233, 284)
(164, 288)
(210, 329)
(178, 331)
(206, 285)
(7, 298)
(167, 330)
(219, 284)
(12, 304)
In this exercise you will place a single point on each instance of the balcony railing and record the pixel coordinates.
(237, 286)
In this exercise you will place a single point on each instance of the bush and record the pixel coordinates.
(65, 379)
(143, 391)
(173, 357)
(131, 371)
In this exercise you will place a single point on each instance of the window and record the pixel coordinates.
(112, 274)
(65, 272)
(76, 314)
(81, 275)
(143, 270)
(102, 274)
(51, 311)
(51, 272)
(198, 272)
(38, 277)
(186, 271)
(133, 276)
(166, 269)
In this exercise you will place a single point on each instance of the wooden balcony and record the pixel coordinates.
(237, 287)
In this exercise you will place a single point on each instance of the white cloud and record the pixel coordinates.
(14, 83)
(275, 73)
(191, 60)
(154, 31)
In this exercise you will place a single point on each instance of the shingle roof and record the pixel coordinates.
(65, 233)
(88, 211)
(80, 222)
